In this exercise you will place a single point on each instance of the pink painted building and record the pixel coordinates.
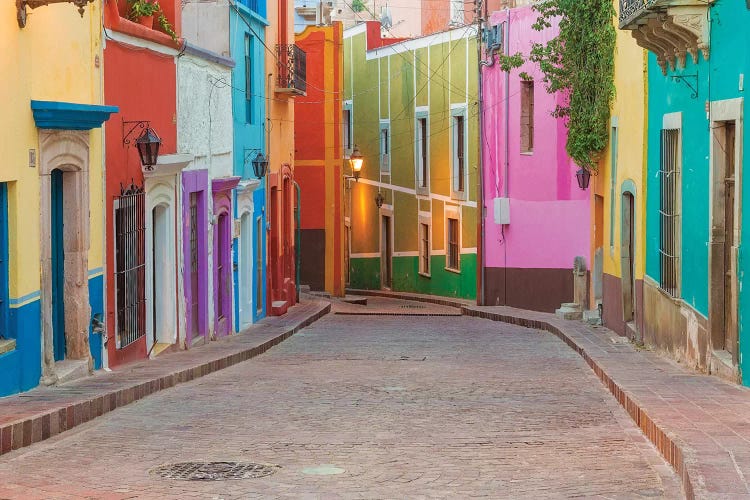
(537, 218)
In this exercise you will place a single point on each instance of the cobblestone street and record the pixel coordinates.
(369, 406)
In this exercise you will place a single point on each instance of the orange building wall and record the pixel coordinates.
(319, 159)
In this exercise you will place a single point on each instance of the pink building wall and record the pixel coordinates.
(528, 263)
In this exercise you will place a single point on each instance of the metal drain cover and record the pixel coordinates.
(413, 306)
(213, 471)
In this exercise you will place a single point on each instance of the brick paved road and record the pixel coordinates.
(408, 407)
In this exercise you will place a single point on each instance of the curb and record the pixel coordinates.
(23, 433)
(672, 451)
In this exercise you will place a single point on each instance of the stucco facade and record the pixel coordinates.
(50, 282)
(530, 187)
(693, 290)
(320, 160)
(412, 112)
(283, 83)
(141, 205)
(619, 197)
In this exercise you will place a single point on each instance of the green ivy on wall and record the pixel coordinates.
(579, 62)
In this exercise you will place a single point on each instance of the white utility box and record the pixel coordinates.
(502, 210)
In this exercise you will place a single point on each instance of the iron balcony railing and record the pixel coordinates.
(292, 74)
(632, 10)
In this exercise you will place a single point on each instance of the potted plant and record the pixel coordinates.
(143, 11)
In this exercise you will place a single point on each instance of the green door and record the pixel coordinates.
(58, 266)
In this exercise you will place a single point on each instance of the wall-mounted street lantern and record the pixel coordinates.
(22, 5)
(584, 177)
(379, 199)
(148, 142)
(260, 165)
(356, 161)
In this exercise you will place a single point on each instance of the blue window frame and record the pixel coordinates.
(4, 306)
(249, 46)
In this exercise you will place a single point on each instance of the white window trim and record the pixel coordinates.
(452, 212)
(422, 112)
(348, 106)
(385, 125)
(459, 110)
(426, 219)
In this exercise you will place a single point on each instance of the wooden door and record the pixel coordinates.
(730, 311)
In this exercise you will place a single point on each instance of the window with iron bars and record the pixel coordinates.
(669, 216)
(130, 264)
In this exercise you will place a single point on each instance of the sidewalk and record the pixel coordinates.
(36, 415)
(699, 423)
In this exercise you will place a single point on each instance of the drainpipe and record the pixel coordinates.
(506, 162)
(480, 155)
(297, 236)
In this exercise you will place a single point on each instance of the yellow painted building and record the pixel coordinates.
(619, 197)
(51, 182)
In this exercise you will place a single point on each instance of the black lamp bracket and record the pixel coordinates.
(249, 157)
(128, 127)
(687, 79)
(22, 5)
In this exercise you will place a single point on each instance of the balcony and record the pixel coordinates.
(671, 29)
(292, 73)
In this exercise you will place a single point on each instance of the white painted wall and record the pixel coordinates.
(204, 114)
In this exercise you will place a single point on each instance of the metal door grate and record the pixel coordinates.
(669, 213)
(130, 257)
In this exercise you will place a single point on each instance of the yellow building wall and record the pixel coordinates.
(56, 57)
(281, 106)
(629, 112)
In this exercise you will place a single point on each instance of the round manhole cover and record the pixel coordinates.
(213, 471)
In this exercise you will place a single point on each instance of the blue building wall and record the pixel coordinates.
(717, 78)
(248, 24)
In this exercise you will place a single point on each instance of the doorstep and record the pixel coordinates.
(43, 412)
(699, 423)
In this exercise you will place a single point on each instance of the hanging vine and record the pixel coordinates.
(579, 62)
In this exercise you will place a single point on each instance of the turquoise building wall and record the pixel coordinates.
(720, 77)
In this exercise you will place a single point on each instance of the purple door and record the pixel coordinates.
(194, 287)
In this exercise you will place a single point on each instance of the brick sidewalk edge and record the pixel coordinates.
(20, 434)
(670, 450)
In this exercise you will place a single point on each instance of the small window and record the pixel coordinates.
(424, 248)
(457, 12)
(385, 148)
(249, 80)
(452, 256)
(527, 117)
(423, 167)
(346, 124)
(459, 161)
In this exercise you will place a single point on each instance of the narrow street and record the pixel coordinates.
(368, 406)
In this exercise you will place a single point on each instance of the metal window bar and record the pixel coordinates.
(292, 68)
(669, 213)
(130, 257)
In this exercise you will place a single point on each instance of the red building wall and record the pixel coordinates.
(143, 84)
(319, 159)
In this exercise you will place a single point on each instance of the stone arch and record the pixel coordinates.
(67, 151)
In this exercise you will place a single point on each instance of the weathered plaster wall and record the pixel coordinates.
(204, 114)
(56, 57)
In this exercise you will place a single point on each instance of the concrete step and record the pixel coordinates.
(71, 369)
(569, 310)
(354, 299)
(279, 307)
